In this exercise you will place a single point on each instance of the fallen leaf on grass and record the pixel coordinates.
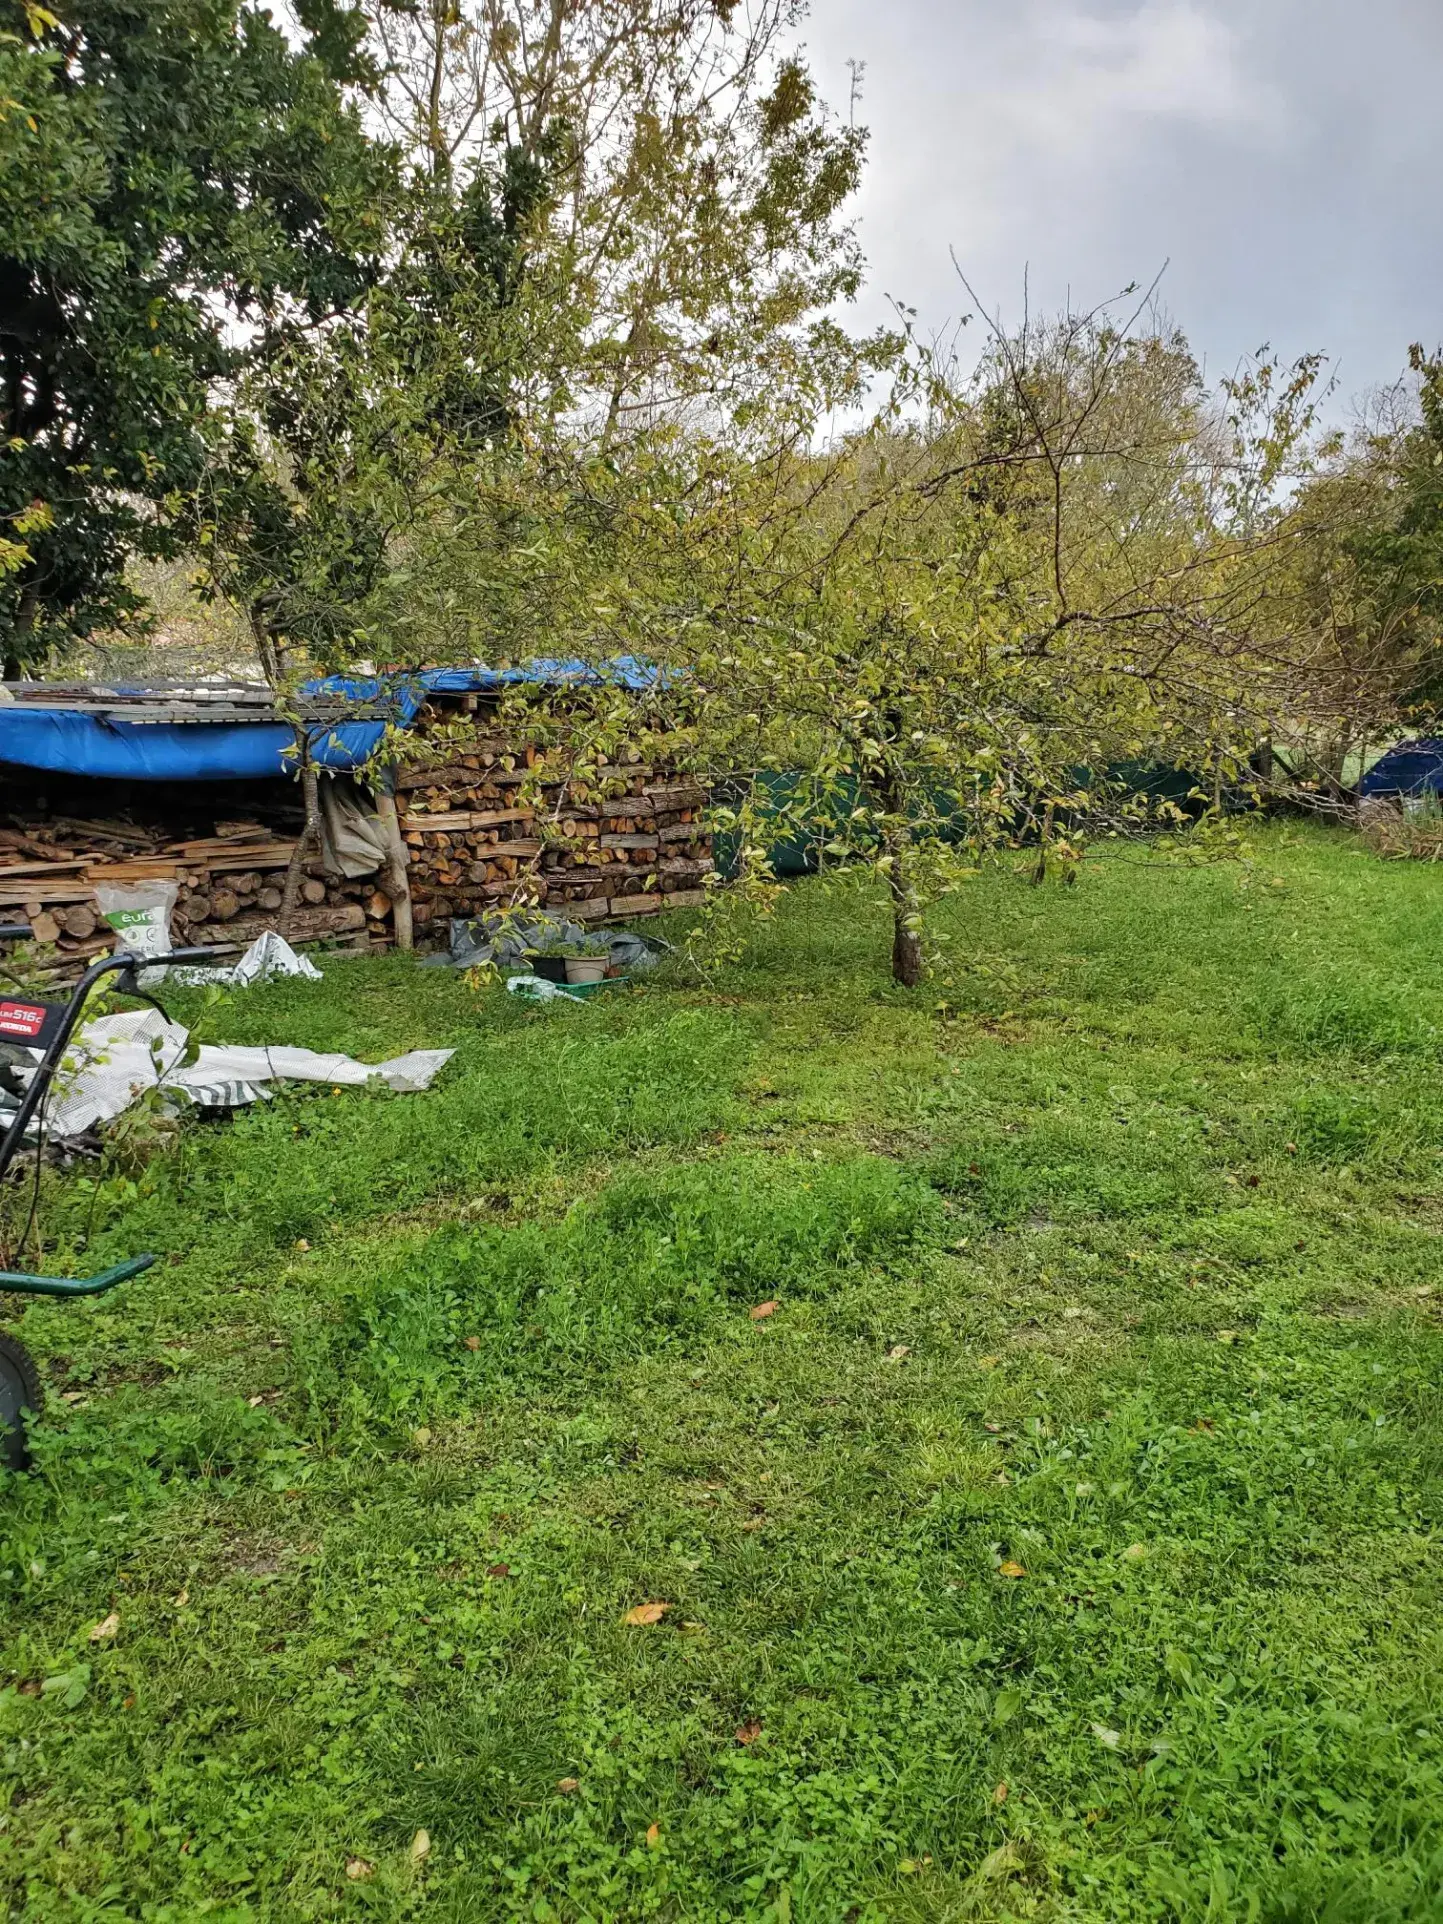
(1135, 1552)
(1010, 1569)
(106, 1628)
(999, 1796)
(749, 1732)
(646, 1613)
(473, 1342)
(301, 1243)
(763, 1310)
(653, 1836)
(898, 1351)
(420, 1847)
(1111, 1738)
(498, 1569)
(988, 1362)
(1227, 1335)
(566, 1785)
(357, 1869)
(182, 1598)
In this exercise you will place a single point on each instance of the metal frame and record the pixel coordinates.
(38, 1088)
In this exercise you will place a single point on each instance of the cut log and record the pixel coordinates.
(45, 927)
(313, 891)
(79, 921)
(224, 905)
(270, 899)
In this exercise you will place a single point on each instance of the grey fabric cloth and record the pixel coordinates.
(352, 840)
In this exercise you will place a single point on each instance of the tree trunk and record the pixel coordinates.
(308, 839)
(907, 965)
(906, 949)
(1039, 874)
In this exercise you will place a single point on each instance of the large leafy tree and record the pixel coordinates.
(177, 179)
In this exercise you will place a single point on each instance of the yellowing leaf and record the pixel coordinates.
(653, 1836)
(1135, 1552)
(898, 1352)
(646, 1613)
(182, 1598)
(1010, 1569)
(106, 1628)
(357, 1869)
(748, 1733)
(763, 1310)
(420, 1847)
(566, 1785)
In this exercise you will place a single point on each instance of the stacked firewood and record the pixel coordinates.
(474, 843)
(230, 884)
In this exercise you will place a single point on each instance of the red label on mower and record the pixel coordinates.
(22, 1018)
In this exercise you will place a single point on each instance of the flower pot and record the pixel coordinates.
(551, 968)
(587, 968)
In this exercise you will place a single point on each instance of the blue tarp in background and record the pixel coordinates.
(64, 743)
(1412, 768)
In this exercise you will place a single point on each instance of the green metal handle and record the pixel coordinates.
(24, 1285)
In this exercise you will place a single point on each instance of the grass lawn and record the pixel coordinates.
(1063, 1546)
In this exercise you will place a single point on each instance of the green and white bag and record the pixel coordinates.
(139, 913)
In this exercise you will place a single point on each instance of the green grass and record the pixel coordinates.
(1113, 1255)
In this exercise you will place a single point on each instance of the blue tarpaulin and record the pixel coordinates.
(62, 742)
(1412, 768)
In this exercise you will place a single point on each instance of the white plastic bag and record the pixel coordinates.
(139, 913)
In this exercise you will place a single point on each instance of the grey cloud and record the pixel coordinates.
(1282, 154)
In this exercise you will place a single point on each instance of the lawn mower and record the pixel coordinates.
(36, 1024)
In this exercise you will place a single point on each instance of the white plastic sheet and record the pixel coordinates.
(269, 955)
(116, 1058)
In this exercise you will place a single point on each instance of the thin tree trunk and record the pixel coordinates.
(20, 633)
(309, 837)
(906, 942)
(1039, 874)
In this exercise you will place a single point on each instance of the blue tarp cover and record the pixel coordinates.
(60, 742)
(1411, 768)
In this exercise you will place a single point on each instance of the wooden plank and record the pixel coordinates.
(635, 904)
(630, 841)
(44, 868)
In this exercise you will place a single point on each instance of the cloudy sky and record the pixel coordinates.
(1283, 155)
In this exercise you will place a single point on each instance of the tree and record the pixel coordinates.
(961, 623)
(174, 178)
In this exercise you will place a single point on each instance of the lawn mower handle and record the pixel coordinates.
(40, 1082)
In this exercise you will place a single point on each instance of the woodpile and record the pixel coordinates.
(473, 845)
(229, 884)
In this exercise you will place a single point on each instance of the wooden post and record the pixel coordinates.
(397, 885)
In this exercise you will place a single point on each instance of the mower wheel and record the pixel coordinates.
(20, 1397)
